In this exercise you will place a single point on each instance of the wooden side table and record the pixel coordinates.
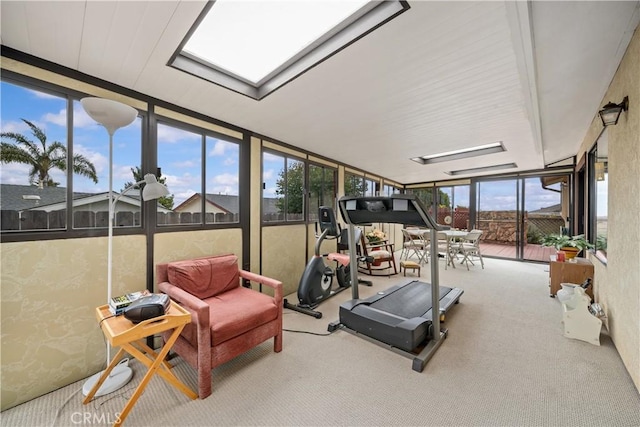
(570, 272)
(130, 338)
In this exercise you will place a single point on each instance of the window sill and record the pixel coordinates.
(600, 256)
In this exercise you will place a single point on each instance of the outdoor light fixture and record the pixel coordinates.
(600, 170)
(114, 115)
(610, 113)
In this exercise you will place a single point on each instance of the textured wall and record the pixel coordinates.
(618, 282)
(284, 254)
(192, 244)
(49, 292)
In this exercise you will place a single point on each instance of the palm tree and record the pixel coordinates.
(42, 157)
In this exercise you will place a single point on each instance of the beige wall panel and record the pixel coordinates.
(353, 171)
(50, 290)
(192, 244)
(48, 76)
(197, 122)
(323, 161)
(617, 284)
(284, 254)
(276, 147)
(256, 201)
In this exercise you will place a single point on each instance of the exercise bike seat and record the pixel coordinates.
(343, 259)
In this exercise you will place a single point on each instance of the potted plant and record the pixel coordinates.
(571, 245)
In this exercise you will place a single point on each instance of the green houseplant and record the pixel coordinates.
(572, 245)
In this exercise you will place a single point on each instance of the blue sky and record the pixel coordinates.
(179, 152)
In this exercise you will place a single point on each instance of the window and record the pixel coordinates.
(355, 185)
(222, 184)
(453, 206)
(598, 205)
(180, 159)
(90, 197)
(277, 41)
(388, 190)
(322, 189)
(181, 150)
(35, 187)
(33, 175)
(283, 188)
(425, 195)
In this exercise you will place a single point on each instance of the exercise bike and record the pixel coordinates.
(316, 283)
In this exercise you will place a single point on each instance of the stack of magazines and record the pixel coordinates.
(119, 303)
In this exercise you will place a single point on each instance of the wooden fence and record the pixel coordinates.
(57, 220)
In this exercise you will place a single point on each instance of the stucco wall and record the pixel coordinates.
(618, 281)
(284, 254)
(49, 293)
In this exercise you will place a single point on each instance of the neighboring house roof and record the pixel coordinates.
(13, 198)
(229, 203)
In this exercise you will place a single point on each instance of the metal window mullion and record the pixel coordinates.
(203, 181)
(69, 204)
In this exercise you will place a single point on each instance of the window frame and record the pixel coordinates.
(70, 95)
(305, 199)
(203, 133)
(592, 207)
(148, 159)
(334, 190)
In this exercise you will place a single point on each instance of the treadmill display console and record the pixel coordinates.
(397, 209)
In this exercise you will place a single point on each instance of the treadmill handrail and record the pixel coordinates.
(397, 209)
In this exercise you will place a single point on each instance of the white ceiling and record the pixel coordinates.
(441, 76)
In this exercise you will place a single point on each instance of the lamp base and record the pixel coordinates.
(118, 378)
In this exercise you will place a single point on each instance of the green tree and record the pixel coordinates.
(164, 201)
(42, 156)
(354, 185)
(290, 188)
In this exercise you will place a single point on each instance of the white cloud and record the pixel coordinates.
(191, 164)
(59, 118)
(14, 173)
(16, 127)
(167, 134)
(218, 149)
(43, 95)
(226, 179)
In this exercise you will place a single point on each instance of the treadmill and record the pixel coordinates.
(404, 318)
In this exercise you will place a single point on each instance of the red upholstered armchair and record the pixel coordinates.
(227, 319)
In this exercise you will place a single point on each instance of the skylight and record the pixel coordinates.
(480, 150)
(483, 169)
(255, 47)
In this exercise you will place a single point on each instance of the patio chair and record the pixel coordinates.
(470, 248)
(413, 245)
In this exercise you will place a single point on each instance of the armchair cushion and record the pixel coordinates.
(237, 311)
(197, 276)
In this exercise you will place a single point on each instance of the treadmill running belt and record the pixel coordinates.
(411, 300)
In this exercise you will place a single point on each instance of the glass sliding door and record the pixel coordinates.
(546, 211)
(515, 214)
(453, 206)
(498, 216)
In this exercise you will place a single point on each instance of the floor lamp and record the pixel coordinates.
(114, 115)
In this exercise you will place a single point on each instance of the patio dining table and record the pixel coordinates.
(452, 237)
